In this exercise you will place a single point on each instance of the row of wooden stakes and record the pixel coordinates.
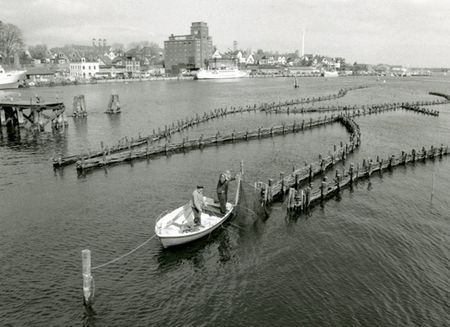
(302, 199)
(272, 189)
(128, 152)
(126, 144)
(202, 142)
(413, 106)
(108, 157)
(178, 126)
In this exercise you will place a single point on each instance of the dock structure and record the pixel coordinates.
(301, 200)
(34, 114)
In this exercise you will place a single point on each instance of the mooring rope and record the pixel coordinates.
(124, 255)
(130, 252)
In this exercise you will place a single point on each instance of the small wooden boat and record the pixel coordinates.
(172, 229)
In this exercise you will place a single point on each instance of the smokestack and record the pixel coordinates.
(93, 42)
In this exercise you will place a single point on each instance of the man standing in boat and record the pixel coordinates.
(222, 189)
(197, 205)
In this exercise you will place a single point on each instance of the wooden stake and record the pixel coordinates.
(87, 277)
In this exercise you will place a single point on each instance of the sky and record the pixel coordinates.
(404, 32)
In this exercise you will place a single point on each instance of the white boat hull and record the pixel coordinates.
(172, 228)
(13, 85)
(11, 80)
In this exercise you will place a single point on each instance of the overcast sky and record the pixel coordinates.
(408, 32)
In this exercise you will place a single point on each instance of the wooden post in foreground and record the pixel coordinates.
(88, 294)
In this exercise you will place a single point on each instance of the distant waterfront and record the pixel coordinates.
(378, 255)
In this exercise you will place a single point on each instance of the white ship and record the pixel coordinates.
(220, 73)
(12, 79)
(330, 74)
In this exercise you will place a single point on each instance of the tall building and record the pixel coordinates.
(191, 52)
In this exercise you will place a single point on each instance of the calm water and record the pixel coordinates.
(378, 255)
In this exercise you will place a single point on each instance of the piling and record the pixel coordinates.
(79, 106)
(88, 291)
(113, 105)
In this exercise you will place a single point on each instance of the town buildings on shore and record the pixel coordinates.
(183, 54)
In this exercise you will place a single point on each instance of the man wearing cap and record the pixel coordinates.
(197, 205)
(222, 189)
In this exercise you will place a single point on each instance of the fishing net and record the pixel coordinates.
(250, 209)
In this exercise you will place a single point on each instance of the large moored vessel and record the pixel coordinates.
(11, 80)
(220, 73)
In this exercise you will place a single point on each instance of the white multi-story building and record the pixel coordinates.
(84, 69)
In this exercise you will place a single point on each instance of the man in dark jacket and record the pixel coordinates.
(222, 190)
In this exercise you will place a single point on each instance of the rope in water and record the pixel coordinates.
(130, 252)
(124, 255)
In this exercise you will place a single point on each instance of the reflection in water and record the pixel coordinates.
(224, 247)
(114, 121)
(170, 258)
(89, 316)
(81, 125)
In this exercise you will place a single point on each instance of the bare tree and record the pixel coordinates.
(1, 38)
(11, 41)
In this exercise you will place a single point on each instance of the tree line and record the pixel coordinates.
(11, 42)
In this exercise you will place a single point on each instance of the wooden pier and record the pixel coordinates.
(35, 114)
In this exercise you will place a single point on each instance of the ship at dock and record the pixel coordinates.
(326, 73)
(220, 73)
(12, 79)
